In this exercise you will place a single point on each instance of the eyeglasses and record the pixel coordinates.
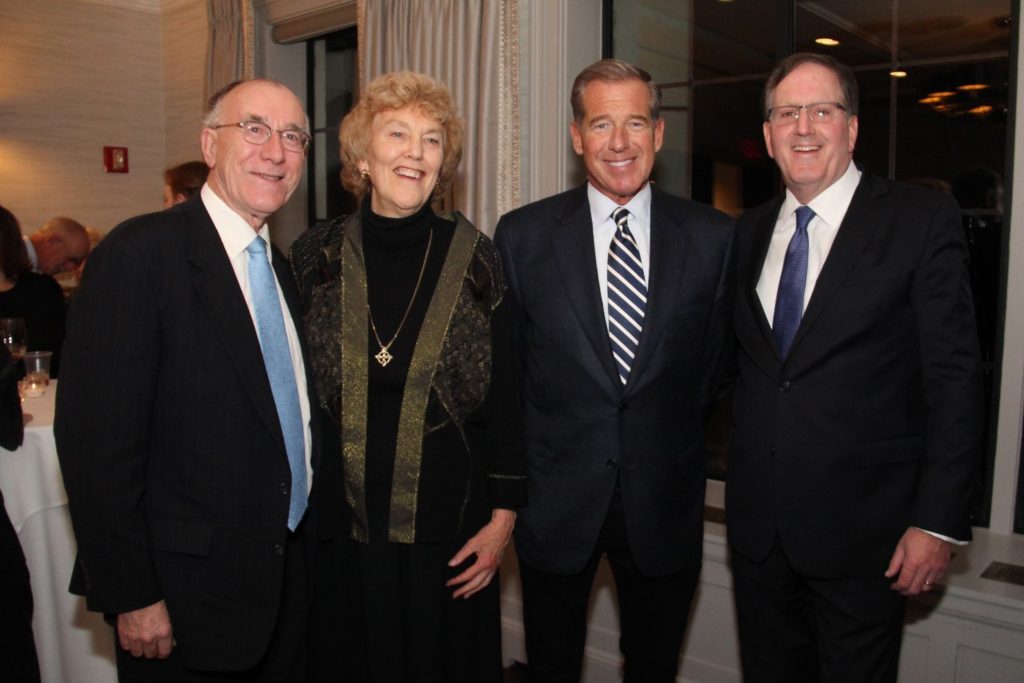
(257, 133)
(818, 112)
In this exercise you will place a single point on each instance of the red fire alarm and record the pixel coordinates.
(115, 159)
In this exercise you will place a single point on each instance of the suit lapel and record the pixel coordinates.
(573, 244)
(217, 288)
(668, 253)
(763, 230)
(860, 221)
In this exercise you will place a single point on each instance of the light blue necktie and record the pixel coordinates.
(278, 361)
(627, 295)
(789, 303)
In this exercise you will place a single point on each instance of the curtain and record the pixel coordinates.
(229, 47)
(472, 47)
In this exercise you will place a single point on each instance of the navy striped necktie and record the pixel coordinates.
(627, 295)
(789, 302)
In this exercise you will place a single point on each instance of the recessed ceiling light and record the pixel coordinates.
(898, 73)
(827, 42)
(980, 110)
(930, 100)
(971, 87)
(941, 93)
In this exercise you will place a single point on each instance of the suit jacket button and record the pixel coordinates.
(623, 407)
(785, 386)
(283, 488)
(611, 462)
(278, 549)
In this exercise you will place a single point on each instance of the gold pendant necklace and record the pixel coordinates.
(384, 355)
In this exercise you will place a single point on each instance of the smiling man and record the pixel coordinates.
(622, 295)
(183, 419)
(857, 408)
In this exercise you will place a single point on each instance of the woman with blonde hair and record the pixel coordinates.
(411, 347)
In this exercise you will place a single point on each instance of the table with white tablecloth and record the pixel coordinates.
(73, 644)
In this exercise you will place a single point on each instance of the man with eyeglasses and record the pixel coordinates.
(857, 406)
(60, 246)
(184, 423)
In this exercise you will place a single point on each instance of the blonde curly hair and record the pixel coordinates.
(391, 91)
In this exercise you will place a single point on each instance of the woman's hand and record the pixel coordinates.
(489, 545)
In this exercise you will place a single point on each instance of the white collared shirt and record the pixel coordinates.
(32, 257)
(237, 235)
(601, 208)
(829, 210)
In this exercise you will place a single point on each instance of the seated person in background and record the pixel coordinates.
(183, 181)
(59, 246)
(36, 298)
(17, 647)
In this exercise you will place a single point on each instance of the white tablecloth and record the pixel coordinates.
(73, 644)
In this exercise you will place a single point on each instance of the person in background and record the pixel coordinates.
(183, 421)
(856, 425)
(410, 339)
(33, 297)
(62, 244)
(17, 645)
(621, 295)
(182, 182)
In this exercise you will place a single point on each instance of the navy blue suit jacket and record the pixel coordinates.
(584, 429)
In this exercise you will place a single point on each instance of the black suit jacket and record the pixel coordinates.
(169, 440)
(584, 428)
(873, 422)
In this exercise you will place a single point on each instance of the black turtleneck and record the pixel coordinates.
(394, 250)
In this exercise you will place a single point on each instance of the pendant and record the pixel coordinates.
(383, 357)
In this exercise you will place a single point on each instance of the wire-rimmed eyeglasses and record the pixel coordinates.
(818, 112)
(257, 133)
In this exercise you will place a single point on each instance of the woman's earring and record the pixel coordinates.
(365, 173)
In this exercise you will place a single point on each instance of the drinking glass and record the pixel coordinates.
(14, 336)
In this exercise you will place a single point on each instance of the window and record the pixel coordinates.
(934, 82)
(333, 85)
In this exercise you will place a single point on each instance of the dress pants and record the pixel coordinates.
(285, 660)
(796, 628)
(17, 646)
(653, 613)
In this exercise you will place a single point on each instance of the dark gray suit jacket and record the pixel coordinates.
(584, 428)
(169, 440)
(873, 422)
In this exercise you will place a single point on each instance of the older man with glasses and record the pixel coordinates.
(60, 246)
(184, 422)
(857, 408)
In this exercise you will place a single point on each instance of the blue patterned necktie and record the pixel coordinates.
(278, 361)
(627, 295)
(789, 303)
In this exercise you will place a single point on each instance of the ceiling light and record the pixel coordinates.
(930, 100)
(980, 110)
(898, 73)
(941, 93)
(972, 87)
(827, 42)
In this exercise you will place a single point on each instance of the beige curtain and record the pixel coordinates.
(229, 47)
(472, 46)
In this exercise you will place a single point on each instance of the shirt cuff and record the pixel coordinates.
(944, 538)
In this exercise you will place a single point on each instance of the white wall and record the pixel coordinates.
(76, 75)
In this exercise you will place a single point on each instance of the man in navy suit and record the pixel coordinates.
(622, 295)
(183, 418)
(857, 406)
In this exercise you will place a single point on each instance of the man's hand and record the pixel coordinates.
(489, 545)
(146, 632)
(920, 560)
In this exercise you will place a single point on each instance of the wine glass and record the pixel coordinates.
(14, 336)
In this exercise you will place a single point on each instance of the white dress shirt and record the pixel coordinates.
(236, 235)
(601, 208)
